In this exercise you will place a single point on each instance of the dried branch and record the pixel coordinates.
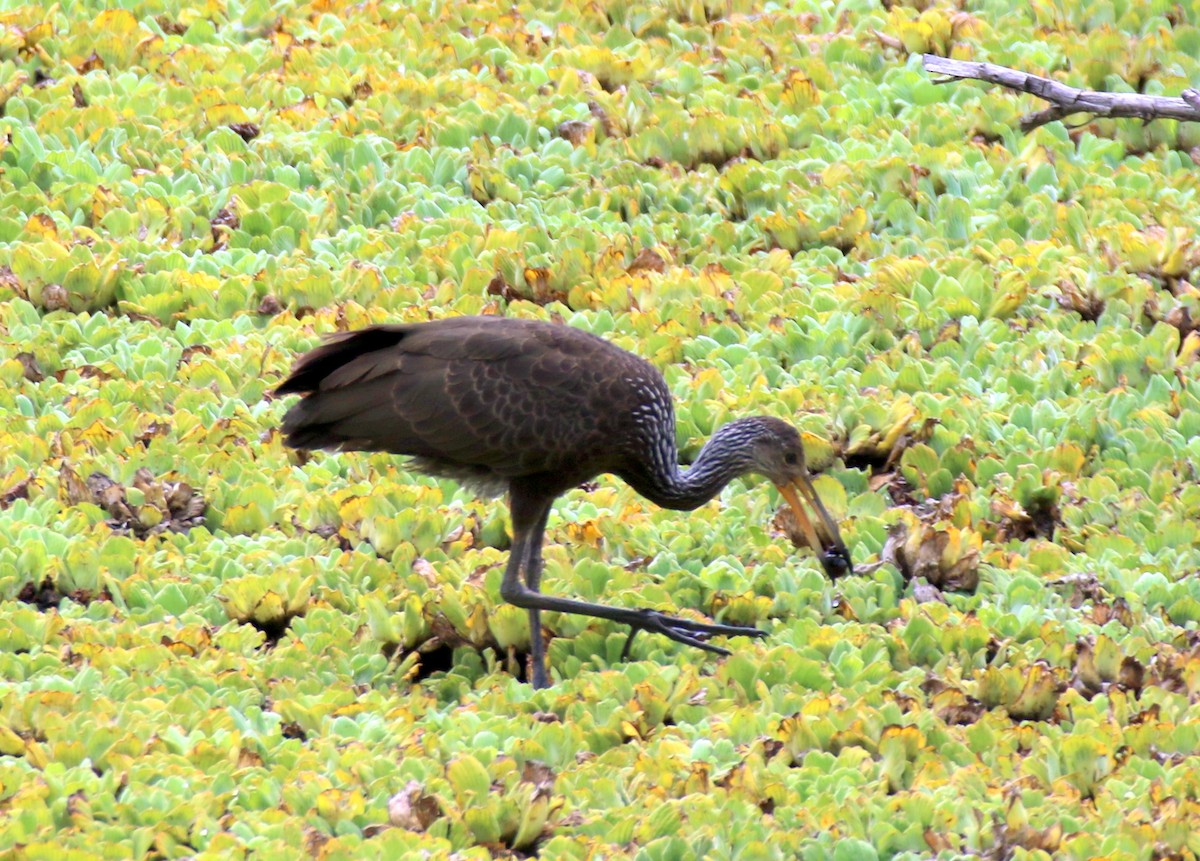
(1066, 100)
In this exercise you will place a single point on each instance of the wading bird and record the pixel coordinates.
(536, 409)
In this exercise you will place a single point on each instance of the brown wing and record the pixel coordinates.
(510, 397)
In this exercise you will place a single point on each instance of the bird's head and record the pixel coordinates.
(776, 452)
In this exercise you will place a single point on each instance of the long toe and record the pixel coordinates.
(689, 640)
(688, 632)
(629, 642)
(715, 628)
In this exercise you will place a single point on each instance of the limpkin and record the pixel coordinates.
(535, 409)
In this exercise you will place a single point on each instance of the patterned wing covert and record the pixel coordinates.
(474, 396)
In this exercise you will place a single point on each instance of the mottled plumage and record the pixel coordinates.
(534, 409)
(482, 399)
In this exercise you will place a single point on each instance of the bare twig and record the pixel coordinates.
(888, 41)
(1066, 100)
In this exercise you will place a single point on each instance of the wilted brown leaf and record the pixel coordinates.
(412, 808)
(55, 298)
(170, 26)
(184, 503)
(246, 131)
(1039, 695)
(925, 592)
(1007, 837)
(1103, 612)
(109, 495)
(72, 488)
(44, 595)
(19, 490)
(424, 569)
(1086, 303)
(314, 841)
(90, 64)
(499, 286)
(167, 506)
(1084, 587)
(648, 260)
(222, 224)
(575, 131)
(950, 703)
(946, 557)
(30, 368)
(361, 90)
(880, 479)
(939, 842)
(540, 775)
(538, 279)
(1132, 675)
(606, 122)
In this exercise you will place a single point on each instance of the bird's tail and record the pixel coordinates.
(312, 422)
(339, 349)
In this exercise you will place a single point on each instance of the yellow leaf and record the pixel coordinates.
(1189, 350)
(116, 22)
(855, 222)
(1006, 304)
(799, 91)
(41, 225)
(538, 279)
(11, 744)
(12, 86)
(585, 533)
(224, 114)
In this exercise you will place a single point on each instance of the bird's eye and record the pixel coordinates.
(790, 458)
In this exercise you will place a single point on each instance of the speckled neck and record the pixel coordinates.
(728, 454)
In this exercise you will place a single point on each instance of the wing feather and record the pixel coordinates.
(470, 396)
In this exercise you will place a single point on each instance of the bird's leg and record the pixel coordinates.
(528, 541)
(518, 559)
(529, 508)
(529, 515)
(533, 579)
(678, 629)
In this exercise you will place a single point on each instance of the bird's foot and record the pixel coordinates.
(686, 631)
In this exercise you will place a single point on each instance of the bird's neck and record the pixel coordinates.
(664, 483)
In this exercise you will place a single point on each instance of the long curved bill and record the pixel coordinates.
(821, 532)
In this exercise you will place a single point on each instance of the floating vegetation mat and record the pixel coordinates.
(213, 647)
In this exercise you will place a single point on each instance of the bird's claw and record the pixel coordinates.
(686, 631)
